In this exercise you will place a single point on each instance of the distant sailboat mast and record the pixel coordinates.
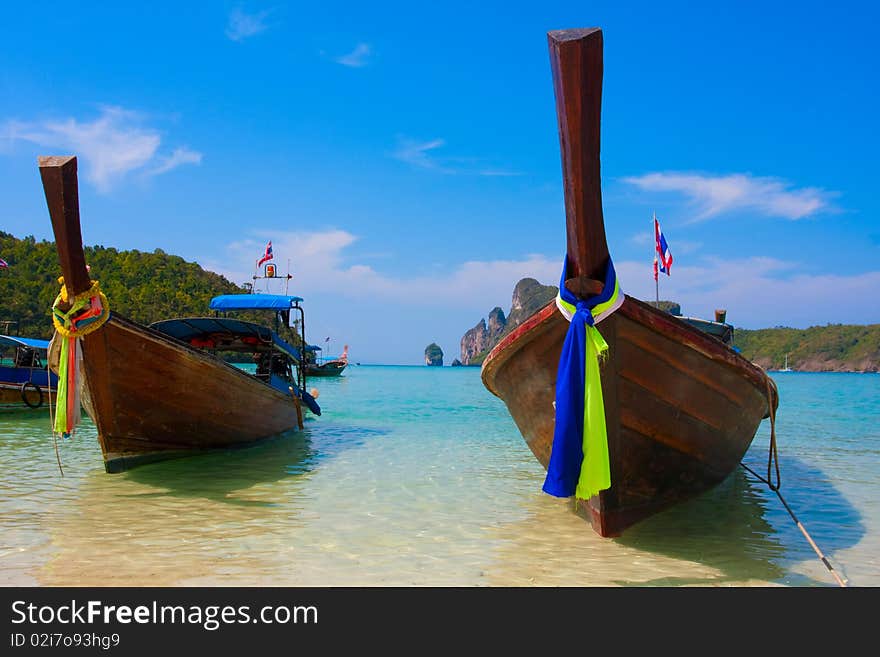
(786, 368)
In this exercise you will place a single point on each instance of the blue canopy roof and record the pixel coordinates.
(186, 329)
(14, 341)
(253, 302)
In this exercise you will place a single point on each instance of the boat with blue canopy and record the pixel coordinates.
(25, 381)
(278, 360)
(179, 386)
(316, 365)
(255, 302)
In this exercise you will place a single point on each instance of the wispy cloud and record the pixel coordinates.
(715, 195)
(242, 25)
(439, 305)
(420, 154)
(357, 58)
(112, 145)
(426, 155)
(763, 292)
(323, 266)
(178, 157)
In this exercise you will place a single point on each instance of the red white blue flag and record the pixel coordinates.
(267, 255)
(664, 255)
(3, 264)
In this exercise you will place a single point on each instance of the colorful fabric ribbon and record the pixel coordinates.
(87, 313)
(579, 459)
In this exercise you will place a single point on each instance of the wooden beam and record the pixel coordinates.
(62, 196)
(576, 62)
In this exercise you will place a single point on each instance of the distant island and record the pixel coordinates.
(830, 348)
(529, 296)
(434, 355)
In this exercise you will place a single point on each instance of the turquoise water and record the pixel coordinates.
(418, 476)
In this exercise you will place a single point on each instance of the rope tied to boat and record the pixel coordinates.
(579, 463)
(51, 421)
(87, 312)
(773, 464)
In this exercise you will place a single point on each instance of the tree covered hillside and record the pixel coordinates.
(145, 287)
(834, 348)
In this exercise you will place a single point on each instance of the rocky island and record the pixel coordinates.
(529, 296)
(433, 355)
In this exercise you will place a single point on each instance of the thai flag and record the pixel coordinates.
(267, 255)
(663, 252)
(3, 264)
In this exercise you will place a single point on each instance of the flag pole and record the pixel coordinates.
(657, 288)
(656, 277)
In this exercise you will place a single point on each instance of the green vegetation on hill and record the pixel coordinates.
(145, 287)
(529, 296)
(835, 347)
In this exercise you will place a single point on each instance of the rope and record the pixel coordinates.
(773, 459)
(87, 312)
(51, 421)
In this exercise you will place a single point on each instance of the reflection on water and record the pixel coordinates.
(413, 476)
(725, 529)
(222, 475)
(719, 538)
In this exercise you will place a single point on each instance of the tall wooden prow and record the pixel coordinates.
(151, 394)
(576, 63)
(680, 406)
(62, 196)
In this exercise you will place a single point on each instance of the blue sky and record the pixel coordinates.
(405, 157)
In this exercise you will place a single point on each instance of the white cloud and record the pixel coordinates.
(715, 195)
(423, 155)
(111, 146)
(179, 156)
(419, 153)
(391, 317)
(320, 266)
(242, 25)
(759, 292)
(357, 58)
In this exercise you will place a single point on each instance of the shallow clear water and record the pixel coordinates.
(418, 476)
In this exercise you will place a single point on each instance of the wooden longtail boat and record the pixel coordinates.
(681, 407)
(24, 380)
(319, 367)
(164, 391)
